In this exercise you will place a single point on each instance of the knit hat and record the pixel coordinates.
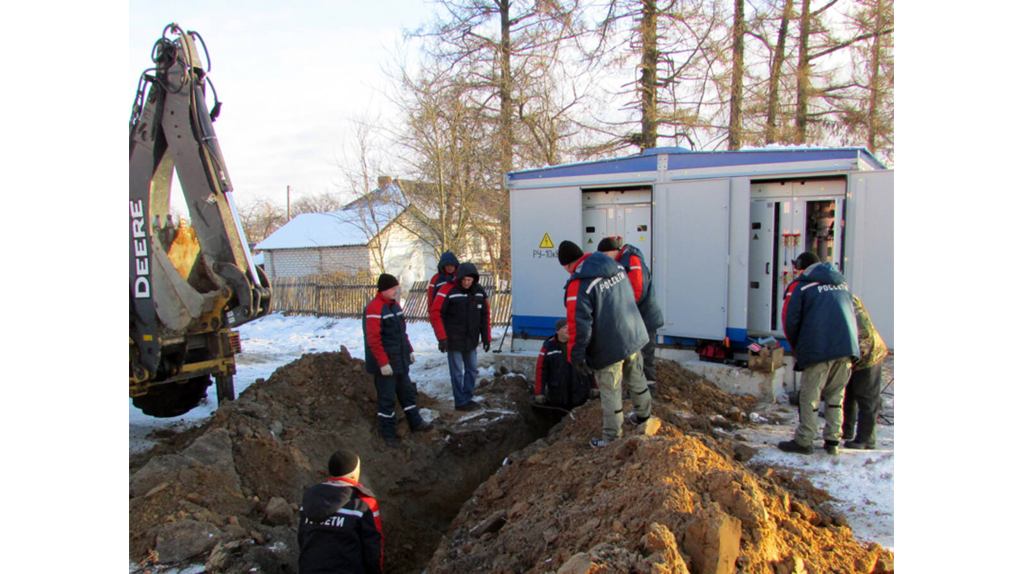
(610, 244)
(568, 252)
(386, 282)
(560, 323)
(805, 260)
(343, 463)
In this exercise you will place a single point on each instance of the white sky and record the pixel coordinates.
(290, 76)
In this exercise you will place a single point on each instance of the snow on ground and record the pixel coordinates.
(862, 482)
(276, 340)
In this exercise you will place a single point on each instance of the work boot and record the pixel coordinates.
(391, 442)
(633, 418)
(423, 427)
(832, 447)
(598, 443)
(473, 405)
(854, 445)
(793, 446)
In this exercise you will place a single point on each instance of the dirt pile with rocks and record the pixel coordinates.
(481, 492)
(666, 497)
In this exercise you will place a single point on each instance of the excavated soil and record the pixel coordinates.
(489, 491)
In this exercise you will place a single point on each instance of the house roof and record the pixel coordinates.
(348, 226)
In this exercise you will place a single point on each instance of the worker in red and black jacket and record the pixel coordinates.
(339, 523)
(446, 268)
(388, 356)
(557, 384)
(606, 333)
(461, 317)
(632, 261)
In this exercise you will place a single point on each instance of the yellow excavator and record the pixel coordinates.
(189, 284)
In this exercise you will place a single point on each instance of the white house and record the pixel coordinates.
(371, 234)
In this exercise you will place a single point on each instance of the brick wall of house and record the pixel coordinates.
(316, 261)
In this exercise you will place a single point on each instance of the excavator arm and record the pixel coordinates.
(189, 285)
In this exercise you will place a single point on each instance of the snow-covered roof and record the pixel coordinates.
(349, 226)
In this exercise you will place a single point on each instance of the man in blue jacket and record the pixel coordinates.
(820, 325)
(606, 333)
(632, 261)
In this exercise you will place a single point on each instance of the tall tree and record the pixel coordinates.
(672, 44)
(502, 49)
(736, 92)
(443, 148)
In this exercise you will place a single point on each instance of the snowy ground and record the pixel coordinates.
(862, 482)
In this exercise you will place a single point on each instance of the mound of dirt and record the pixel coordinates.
(663, 498)
(482, 491)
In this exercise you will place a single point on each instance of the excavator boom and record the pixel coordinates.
(189, 285)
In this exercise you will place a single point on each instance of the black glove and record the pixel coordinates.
(442, 345)
(583, 369)
(487, 346)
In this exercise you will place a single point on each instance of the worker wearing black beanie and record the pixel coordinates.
(568, 252)
(388, 356)
(609, 244)
(339, 522)
(344, 463)
(386, 282)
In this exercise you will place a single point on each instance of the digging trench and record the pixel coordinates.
(208, 495)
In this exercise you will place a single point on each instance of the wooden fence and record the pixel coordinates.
(333, 297)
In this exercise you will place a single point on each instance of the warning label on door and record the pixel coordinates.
(546, 243)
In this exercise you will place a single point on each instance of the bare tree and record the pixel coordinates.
(673, 45)
(260, 218)
(443, 147)
(322, 202)
(736, 91)
(870, 118)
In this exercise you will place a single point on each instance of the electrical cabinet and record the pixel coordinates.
(719, 231)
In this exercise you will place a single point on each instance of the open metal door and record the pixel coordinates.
(870, 247)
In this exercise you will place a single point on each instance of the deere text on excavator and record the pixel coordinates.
(188, 285)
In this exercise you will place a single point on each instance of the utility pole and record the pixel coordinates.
(289, 202)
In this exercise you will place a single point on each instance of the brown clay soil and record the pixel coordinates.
(490, 491)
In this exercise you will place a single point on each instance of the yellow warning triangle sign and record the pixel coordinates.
(546, 242)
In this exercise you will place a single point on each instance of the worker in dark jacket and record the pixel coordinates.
(819, 323)
(339, 523)
(446, 267)
(388, 355)
(461, 317)
(863, 396)
(556, 383)
(606, 333)
(632, 260)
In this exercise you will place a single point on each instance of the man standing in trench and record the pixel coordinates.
(606, 333)
(388, 355)
(820, 326)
